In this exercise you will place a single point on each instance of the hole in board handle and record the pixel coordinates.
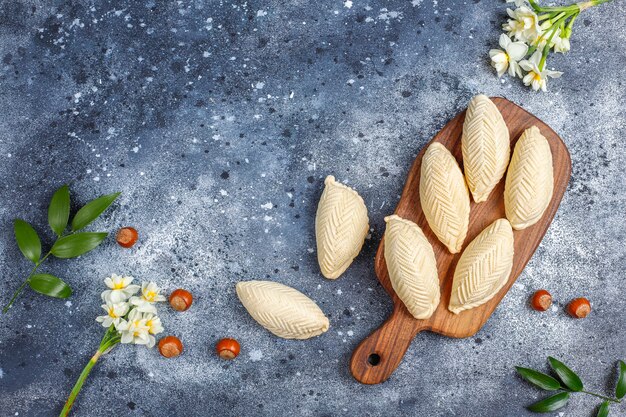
(373, 359)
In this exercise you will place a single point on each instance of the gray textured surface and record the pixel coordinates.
(202, 113)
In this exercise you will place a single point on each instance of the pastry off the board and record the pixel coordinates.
(282, 310)
(486, 147)
(444, 196)
(412, 266)
(341, 225)
(484, 267)
(529, 181)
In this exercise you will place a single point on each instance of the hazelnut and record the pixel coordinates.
(126, 237)
(170, 346)
(227, 348)
(579, 308)
(541, 300)
(181, 300)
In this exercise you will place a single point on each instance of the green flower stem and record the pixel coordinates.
(110, 339)
(546, 49)
(615, 400)
(79, 384)
(21, 287)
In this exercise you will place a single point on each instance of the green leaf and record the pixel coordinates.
(50, 285)
(620, 389)
(77, 244)
(569, 378)
(603, 411)
(90, 211)
(551, 403)
(539, 379)
(59, 210)
(27, 240)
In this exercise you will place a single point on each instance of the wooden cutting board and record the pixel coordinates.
(377, 356)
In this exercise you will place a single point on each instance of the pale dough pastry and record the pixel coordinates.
(486, 147)
(412, 266)
(341, 224)
(282, 310)
(484, 267)
(529, 181)
(444, 196)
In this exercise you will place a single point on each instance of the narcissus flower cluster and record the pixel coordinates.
(532, 32)
(130, 317)
(133, 317)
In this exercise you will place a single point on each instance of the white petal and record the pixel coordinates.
(528, 78)
(514, 68)
(553, 74)
(536, 57)
(517, 50)
(504, 40)
(499, 57)
(526, 65)
(127, 337)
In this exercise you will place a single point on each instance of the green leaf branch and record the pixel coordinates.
(568, 382)
(67, 245)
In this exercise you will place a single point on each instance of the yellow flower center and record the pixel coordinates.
(118, 285)
(150, 295)
(112, 313)
(537, 77)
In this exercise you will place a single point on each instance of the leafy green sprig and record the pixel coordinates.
(67, 245)
(568, 382)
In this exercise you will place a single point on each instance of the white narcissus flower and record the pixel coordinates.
(523, 25)
(509, 57)
(154, 327)
(134, 329)
(114, 315)
(535, 77)
(561, 45)
(150, 294)
(120, 289)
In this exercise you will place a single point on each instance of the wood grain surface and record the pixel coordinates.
(378, 355)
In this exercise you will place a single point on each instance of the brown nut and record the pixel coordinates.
(227, 348)
(579, 308)
(181, 300)
(541, 300)
(170, 346)
(126, 237)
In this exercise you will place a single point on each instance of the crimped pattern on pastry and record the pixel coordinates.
(529, 181)
(282, 310)
(486, 147)
(483, 268)
(444, 196)
(412, 266)
(341, 224)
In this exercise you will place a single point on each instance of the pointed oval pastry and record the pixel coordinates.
(483, 268)
(282, 310)
(412, 266)
(485, 145)
(444, 196)
(529, 181)
(341, 224)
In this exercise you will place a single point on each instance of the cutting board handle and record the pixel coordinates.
(380, 353)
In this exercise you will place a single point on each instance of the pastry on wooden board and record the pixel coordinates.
(529, 180)
(341, 225)
(282, 310)
(444, 196)
(484, 267)
(412, 266)
(485, 145)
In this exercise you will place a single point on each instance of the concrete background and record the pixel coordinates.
(218, 122)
